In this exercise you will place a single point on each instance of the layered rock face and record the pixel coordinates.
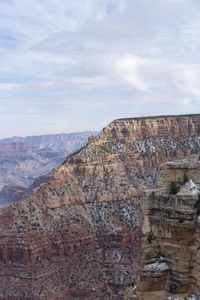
(79, 235)
(171, 245)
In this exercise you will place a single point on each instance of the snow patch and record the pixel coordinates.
(190, 297)
(157, 266)
(190, 187)
(172, 298)
(193, 297)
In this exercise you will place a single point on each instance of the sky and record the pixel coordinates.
(75, 65)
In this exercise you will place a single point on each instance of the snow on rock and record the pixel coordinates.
(172, 298)
(191, 185)
(198, 219)
(156, 266)
(189, 188)
(190, 297)
(193, 297)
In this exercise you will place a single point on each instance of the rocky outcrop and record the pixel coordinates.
(79, 235)
(171, 245)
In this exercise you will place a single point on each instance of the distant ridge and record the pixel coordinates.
(56, 142)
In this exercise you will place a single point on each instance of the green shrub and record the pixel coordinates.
(174, 188)
(150, 237)
(185, 178)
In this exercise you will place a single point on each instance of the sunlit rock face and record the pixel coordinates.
(79, 235)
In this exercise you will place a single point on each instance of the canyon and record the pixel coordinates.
(27, 162)
(81, 235)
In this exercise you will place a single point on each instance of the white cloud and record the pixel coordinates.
(188, 79)
(8, 86)
(129, 69)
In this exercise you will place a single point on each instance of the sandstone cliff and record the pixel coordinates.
(171, 244)
(79, 235)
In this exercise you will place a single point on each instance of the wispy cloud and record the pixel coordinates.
(75, 65)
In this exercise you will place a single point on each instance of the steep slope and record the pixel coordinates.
(79, 235)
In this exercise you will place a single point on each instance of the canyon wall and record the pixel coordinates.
(79, 235)
(171, 243)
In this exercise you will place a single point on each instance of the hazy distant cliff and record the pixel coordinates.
(22, 160)
(79, 236)
(66, 142)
